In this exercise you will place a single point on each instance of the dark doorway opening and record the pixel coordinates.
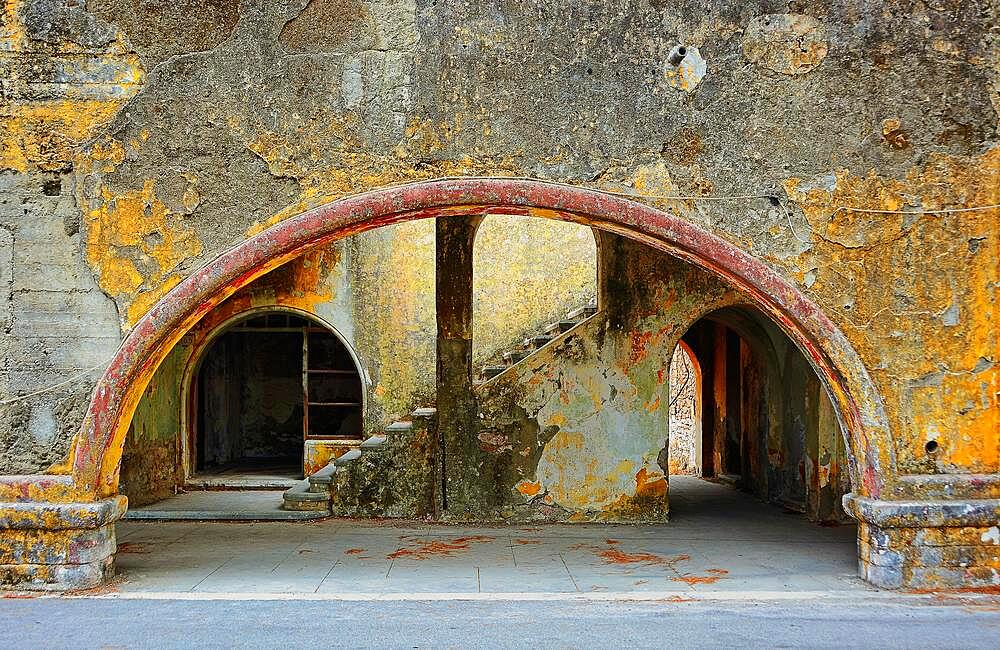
(767, 425)
(265, 386)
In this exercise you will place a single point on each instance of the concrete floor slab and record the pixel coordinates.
(222, 505)
(718, 541)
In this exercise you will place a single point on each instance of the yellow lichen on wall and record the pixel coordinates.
(306, 282)
(135, 242)
(527, 272)
(917, 295)
(84, 89)
(43, 135)
(395, 310)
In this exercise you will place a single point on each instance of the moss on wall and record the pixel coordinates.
(151, 463)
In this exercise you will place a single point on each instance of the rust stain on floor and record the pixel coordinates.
(527, 541)
(614, 556)
(423, 549)
(354, 551)
(717, 574)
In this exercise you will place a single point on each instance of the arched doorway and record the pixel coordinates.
(684, 424)
(767, 424)
(265, 385)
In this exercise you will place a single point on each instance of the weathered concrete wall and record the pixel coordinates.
(166, 177)
(56, 321)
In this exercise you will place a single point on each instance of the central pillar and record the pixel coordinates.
(465, 490)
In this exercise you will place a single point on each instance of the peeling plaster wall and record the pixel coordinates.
(579, 430)
(175, 132)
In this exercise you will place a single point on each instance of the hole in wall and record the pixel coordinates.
(677, 55)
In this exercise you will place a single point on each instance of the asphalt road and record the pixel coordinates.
(109, 623)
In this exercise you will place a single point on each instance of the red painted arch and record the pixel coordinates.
(98, 444)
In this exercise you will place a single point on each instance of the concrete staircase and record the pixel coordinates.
(533, 343)
(318, 492)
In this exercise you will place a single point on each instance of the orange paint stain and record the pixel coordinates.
(354, 551)
(529, 488)
(614, 556)
(527, 541)
(647, 486)
(638, 351)
(423, 549)
(703, 580)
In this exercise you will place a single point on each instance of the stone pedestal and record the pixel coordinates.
(58, 546)
(928, 544)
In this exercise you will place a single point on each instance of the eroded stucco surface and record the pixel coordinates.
(527, 273)
(159, 138)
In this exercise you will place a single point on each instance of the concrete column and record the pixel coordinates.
(464, 486)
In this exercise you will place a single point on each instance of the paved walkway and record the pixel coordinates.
(718, 541)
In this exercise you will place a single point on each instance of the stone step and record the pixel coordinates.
(535, 342)
(347, 457)
(298, 497)
(398, 428)
(514, 356)
(320, 481)
(580, 313)
(559, 327)
(489, 372)
(426, 412)
(374, 442)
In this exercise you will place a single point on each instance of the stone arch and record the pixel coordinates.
(98, 445)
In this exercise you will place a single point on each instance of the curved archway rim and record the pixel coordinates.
(95, 463)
